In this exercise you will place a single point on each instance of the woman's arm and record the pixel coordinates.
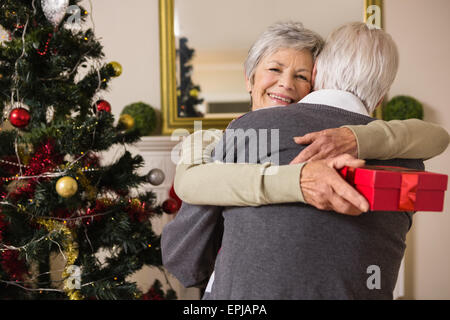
(200, 181)
(406, 139)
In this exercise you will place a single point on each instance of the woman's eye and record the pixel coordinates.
(302, 77)
(274, 69)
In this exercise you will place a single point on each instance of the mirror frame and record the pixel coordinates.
(170, 119)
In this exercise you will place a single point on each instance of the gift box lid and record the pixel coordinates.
(391, 177)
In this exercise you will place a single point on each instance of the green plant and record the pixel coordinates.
(401, 108)
(145, 119)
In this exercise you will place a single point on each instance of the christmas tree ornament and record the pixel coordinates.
(54, 10)
(102, 105)
(4, 35)
(25, 150)
(45, 47)
(193, 93)
(170, 206)
(126, 121)
(155, 177)
(174, 196)
(19, 117)
(66, 187)
(49, 114)
(117, 68)
(73, 23)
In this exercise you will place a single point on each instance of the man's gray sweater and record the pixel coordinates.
(287, 251)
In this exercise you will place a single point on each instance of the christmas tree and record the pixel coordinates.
(187, 91)
(57, 199)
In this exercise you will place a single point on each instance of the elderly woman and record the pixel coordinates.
(276, 251)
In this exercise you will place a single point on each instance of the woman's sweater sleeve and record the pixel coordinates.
(200, 181)
(407, 139)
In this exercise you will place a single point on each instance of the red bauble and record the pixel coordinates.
(102, 105)
(19, 117)
(170, 206)
(174, 196)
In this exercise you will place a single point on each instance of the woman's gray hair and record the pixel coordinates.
(279, 36)
(360, 59)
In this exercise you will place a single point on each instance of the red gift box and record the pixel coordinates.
(398, 189)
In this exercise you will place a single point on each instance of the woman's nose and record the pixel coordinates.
(286, 81)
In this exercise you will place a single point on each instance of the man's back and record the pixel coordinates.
(294, 251)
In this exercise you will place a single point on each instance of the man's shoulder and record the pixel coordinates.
(265, 113)
(296, 112)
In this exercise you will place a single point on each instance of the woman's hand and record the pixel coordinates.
(326, 144)
(324, 188)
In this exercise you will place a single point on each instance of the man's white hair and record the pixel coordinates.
(360, 59)
(278, 36)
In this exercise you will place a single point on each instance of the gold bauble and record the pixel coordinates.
(126, 121)
(66, 187)
(193, 93)
(117, 68)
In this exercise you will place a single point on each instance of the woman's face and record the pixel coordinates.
(281, 78)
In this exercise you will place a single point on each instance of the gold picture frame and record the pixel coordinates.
(170, 119)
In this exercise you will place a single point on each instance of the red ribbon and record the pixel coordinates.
(408, 191)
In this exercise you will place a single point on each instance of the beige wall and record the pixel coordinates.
(129, 32)
(420, 29)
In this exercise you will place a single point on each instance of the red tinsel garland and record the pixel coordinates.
(152, 294)
(3, 225)
(11, 263)
(9, 259)
(138, 210)
(45, 159)
(94, 213)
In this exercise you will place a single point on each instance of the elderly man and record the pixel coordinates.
(292, 250)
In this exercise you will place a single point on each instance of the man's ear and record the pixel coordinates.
(313, 76)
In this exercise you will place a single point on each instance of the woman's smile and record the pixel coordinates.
(280, 98)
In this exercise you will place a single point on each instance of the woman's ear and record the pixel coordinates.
(248, 85)
(313, 76)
